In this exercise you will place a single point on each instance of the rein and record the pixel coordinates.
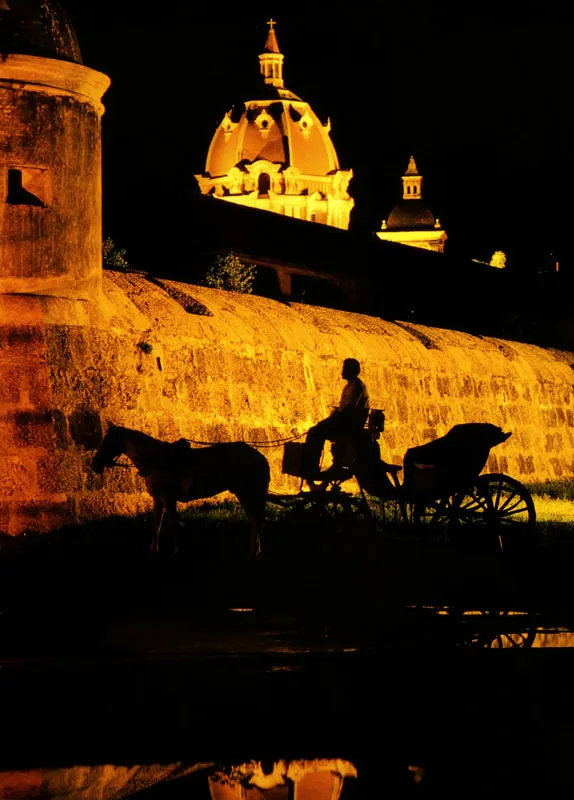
(268, 443)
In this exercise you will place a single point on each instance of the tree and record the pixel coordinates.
(498, 259)
(231, 273)
(114, 257)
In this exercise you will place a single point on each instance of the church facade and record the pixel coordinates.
(274, 154)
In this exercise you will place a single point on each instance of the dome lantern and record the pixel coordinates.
(271, 60)
(412, 182)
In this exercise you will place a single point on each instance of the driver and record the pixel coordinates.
(349, 416)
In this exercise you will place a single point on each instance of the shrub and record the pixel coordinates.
(231, 273)
(114, 257)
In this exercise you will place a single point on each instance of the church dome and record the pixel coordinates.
(275, 125)
(273, 153)
(410, 214)
(283, 131)
(37, 28)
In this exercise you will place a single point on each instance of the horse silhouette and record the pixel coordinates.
(177, 472)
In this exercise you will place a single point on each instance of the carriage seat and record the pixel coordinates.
(360, 445)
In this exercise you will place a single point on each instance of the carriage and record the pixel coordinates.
(442, 492)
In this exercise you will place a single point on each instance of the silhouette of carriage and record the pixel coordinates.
(443, 490)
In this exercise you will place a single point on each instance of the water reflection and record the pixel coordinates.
(316, 779)
(501, 628)
(105, 782)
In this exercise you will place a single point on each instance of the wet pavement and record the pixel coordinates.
(434, 674)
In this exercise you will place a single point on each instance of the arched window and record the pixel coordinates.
(264, 184)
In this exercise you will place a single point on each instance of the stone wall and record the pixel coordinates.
(247, 368)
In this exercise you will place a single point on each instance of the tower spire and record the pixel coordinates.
(271, 60)
(412, 182)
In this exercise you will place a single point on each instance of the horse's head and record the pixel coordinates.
(110, 448)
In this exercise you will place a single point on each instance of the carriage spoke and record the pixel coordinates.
(498, 493)
(508, 500)
(517, 509)
(519, 505)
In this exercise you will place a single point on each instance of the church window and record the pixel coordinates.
(408, 189)
(27, 186)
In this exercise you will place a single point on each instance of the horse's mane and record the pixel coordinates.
(153, 451)
(144, 438)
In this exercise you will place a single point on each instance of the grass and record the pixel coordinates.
(554, 501)
(556, 490)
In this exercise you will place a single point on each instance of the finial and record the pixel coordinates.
(412, 167)
(271, 45)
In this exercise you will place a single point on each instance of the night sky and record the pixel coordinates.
(480, 93)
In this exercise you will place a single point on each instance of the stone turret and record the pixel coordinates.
(50, 156)
(50, 261)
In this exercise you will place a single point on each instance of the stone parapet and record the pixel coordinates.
(53, 77)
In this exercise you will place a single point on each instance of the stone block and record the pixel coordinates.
(12, 379)
(18, 343)
(5, 516)
(35, 429)
(45, 516)
(18, 476)
(60, 472)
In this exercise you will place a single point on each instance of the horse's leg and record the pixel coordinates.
(159, 516)
(254, 509)
(170, 507)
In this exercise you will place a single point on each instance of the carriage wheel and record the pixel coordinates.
(502, 630)
(496, 502)
(506, 507)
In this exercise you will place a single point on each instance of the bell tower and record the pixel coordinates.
(271, 60)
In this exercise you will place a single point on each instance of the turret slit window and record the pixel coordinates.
(27, 186)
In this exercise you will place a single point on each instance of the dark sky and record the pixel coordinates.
(479, 92)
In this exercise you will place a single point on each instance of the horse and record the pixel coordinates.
(177, 472)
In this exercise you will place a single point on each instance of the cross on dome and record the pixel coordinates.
(271, 45)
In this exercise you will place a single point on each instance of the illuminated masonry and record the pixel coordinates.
(50, 156)
(411, 222)
(274, 154)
